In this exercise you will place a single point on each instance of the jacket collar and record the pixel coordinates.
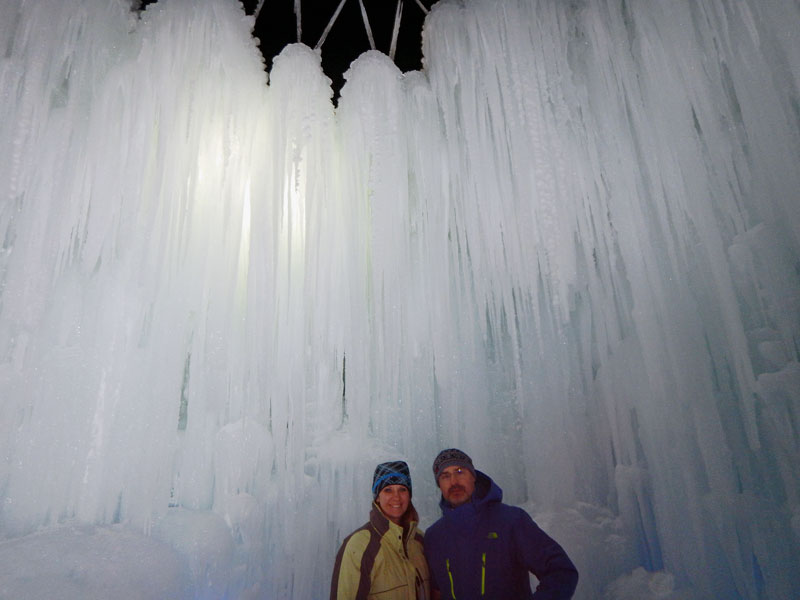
(383, 525)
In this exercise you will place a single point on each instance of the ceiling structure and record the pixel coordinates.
(343, 29)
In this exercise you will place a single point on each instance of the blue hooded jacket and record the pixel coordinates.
(484, 549)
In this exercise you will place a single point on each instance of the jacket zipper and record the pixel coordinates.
(483, 573)
(450, 575)
(483, 576)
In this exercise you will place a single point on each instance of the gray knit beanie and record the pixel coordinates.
(449, 458)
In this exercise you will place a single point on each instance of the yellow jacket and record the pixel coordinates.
(382, 561)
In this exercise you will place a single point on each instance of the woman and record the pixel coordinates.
(384, 560)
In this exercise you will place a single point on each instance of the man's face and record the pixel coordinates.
(457, 485)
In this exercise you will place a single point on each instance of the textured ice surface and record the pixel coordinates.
(570, 246)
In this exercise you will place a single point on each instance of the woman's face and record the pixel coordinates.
(393, 500)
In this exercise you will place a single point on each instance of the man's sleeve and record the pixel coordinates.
(546, 559)
(431, 575)
(434, 585)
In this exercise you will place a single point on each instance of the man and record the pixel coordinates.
(482, 548)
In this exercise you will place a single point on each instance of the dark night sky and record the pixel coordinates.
(276, 27)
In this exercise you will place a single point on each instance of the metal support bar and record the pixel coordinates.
(366, 24)
(329, 25)
(396, 29)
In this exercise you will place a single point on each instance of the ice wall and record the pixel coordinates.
(628, 198)
(570, 246)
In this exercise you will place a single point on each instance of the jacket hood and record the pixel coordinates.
(486, 492)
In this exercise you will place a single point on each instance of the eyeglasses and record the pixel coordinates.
(457, 472)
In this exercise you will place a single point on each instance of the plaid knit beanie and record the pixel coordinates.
(390, 473)
(449, 458)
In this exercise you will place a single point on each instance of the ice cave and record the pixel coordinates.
(569, 245)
